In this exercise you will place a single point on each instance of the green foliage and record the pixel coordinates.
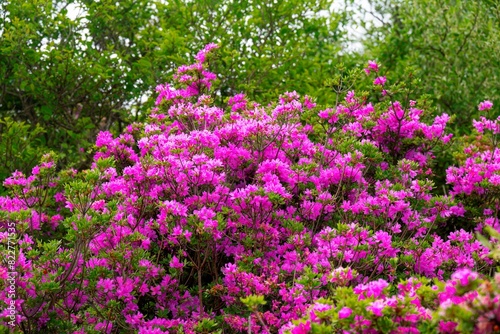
(494, 251)
(21, 145)
(207, 326)
(266, 47)
(253, 302)
(452, 44)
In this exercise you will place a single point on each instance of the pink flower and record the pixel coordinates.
(201, 56)
(308, 102)
(485, 105)
(376, 307)
(124, 288)
(302, 328)
(372, 66)
(237, 102)
(345, 312)
(144, 289)
(465, 276)
(371, 289)
(106, 284)
(447, 326)
(380, 81)
(175, 263)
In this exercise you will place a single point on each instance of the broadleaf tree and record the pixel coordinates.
(449, 45)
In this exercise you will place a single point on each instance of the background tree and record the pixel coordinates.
(452, 44)
(267, 46)
(449, 48)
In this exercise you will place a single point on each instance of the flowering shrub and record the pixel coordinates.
(464, 304)
(248, 218)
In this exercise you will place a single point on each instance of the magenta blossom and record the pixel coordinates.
(380, 81)
(485, 105)
(464, 276)
(345, 312)
(372, 66)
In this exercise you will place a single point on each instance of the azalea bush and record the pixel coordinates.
(466, 303)
(285, 217)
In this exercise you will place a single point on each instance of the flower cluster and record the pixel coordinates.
(181, 218)
(465, 303)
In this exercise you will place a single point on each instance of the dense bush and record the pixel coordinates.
(277, 218)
